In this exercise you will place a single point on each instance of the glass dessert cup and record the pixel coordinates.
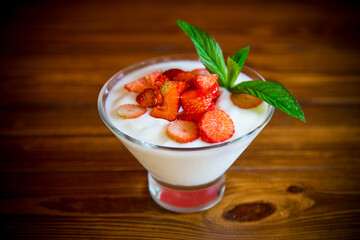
(182, 179)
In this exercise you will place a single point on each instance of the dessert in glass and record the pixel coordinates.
(182, 177)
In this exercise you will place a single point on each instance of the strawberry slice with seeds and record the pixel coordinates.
(171, 73)
(193, 116)
(182, 131)
(141, 84)
(130, 111)
(152, 77)
(160, 80)
(169, 109)
(194, 101)
(205, 82)
(147, 98)
(138, 85)
(214, 91)
(184, 76)
(159, 100)
(189, 117)
(244, 100)
(181, 86)
(200, 72)
(216, 126)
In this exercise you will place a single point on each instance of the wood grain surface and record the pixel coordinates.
(64, 175)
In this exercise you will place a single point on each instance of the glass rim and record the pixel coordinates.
(117, 77)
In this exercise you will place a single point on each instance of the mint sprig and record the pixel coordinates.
(273, 93)
(208, 50)
(212, 57)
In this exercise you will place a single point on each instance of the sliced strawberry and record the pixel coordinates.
(182, 131)
(243, 100)
(212, 106)
(160, 80)
(205, 82)
(141, 84)
(152, 77)
(169, 109)
(200, 72)
(159, 100)
(130, 111)
(138, 85)
(214, 91)
(181, 86)
(146, 98)
(194, 117)
(184, 76)
(171, 73)
(194, 101)
(216, 126)
(189, 117)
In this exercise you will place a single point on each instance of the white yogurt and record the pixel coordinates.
(181, 166)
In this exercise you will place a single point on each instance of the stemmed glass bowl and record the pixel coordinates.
(182, 179)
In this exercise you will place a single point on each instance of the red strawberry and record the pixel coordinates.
(189, 117)
(138, 85)
(169, 109)
(130, 111)
(160, 80)
(141, 84)
(200, 72)
(147, 98)
(205, 82)
(243, 100)
(214, 91)
(216, 126)
(192, 116)
(184, 76)
(182, 131)
(171, 73)
(159, 100)
(194, 101)
(212, 106)
(152, 77)
(181, 86)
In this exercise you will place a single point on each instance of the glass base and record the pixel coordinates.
(186, 199)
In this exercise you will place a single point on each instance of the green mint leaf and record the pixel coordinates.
(235, 65)
(273, 93)
(240, 56)
(233, 72)
(208, 50)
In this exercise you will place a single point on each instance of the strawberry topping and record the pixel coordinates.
(184, 76)
(205, 82)
(149, 98)
(214, 91)
(196, 92)
(182, 131)
(200, 72)
(171, 73)
(216, 126)
(180, 86)
(169, 109)
(189, 116)
(243, 100)
(130, 111)
(141, 84)
(195, 101)
(160, 80)
(152, 77)
(138, 85)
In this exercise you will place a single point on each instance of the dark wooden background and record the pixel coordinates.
(63, 174)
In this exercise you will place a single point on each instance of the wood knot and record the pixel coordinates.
(294, 189)
(248, 212)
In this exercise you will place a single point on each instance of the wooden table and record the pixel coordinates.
(65, 175)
